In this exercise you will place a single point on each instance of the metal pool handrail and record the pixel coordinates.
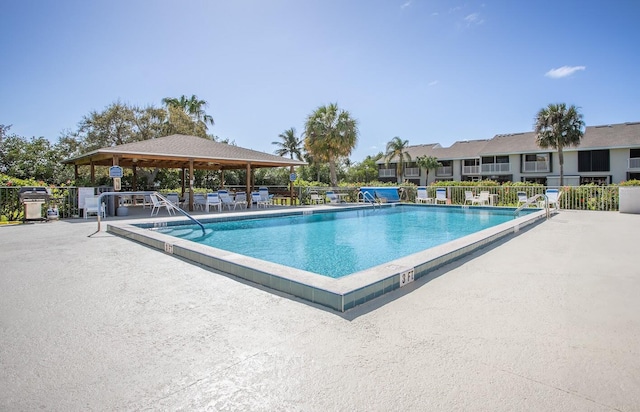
(148, 193)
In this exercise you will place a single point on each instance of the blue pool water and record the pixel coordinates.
(339, 243)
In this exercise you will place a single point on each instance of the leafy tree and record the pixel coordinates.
(428, 163)
(290, 145)
(558, 126)
(29, 159)
(365, 171)
(396, 150)
(330, 133)
(193, 107)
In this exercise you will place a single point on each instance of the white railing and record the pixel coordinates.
(496, 167)
(386, 172)
(634, 163)
(412, 172)
(470, 170)
(444, 171)
(537, 166)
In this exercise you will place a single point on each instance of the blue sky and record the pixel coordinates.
(427, 71)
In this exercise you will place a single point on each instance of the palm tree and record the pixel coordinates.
(290, 145)
(192, 106)
(558, 126)
(330, 133)
(396, 148)
(428, 163)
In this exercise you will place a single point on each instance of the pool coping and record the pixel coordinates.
(339, 294)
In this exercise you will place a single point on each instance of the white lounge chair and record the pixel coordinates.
(241, 199)
(469, 197)
(315, 198)
(482, 199)
(199, 201)
(226, 199)
(553, 198)
(266, 197)
(333, 198)
(441, 195)
(91, 207)
(159, 203)
(522, 198)
(422, 196)
(257, 199)
(213, 200)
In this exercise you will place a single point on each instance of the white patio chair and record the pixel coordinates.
(159, 204)
(91, 207)
(482, 199)
(213, 200)
(422, 196)
(257, 199)
(469, 197)
(441, 195)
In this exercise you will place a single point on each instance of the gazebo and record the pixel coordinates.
(181, 152)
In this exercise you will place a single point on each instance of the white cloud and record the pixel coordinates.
(473, 19)
(406, 4)
(433, 83)
(563, 71)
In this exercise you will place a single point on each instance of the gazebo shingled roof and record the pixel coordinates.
(177, 151)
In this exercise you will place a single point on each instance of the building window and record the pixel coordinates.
(597, 180)
(446, 169)
(492, 164)
(411, 170)
(539, 162)
(471, 166)
(382, 172)
(634, 159)
(593, 161)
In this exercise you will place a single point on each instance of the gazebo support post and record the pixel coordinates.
(291, 186)
(248, 188)
(190, 185)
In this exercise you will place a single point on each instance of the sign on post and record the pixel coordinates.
(115, 171)
(116, 184)
(292, 177)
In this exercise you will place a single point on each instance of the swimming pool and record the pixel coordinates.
(341, 293)
(338, 243)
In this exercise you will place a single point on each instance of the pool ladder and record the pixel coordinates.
(368, 197)
(532, 200)
(174, 207)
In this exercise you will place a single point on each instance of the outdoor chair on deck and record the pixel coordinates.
(469, 197)
(159, 204)
(441, 196)
(315, 198)
(91, 206)
(257, 199)
(199, 201)
(213, 200)
(266, 197)
(422, 196)
(553, 197)
(522, 198)
(333, 198)
(482, 199)
(241, 199)
(174, 199)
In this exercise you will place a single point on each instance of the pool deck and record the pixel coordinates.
(546, 320)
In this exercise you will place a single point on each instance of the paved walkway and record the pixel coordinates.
(546, 321)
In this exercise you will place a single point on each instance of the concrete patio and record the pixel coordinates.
(548, 320)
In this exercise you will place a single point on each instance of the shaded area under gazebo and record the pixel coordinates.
(184, 152)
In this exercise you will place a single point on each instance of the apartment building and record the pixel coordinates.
(607, 154)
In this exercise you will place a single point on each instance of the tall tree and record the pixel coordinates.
(396, 150)
(290, 145)
(428, 163)
(558, 126)
(192, 106)
(330, 133)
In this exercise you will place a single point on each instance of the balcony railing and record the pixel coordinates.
(387, 172)
(634, 163)
(444, 171)
(538, 166)
(412, 172)
(470, 170)
(496, 167)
